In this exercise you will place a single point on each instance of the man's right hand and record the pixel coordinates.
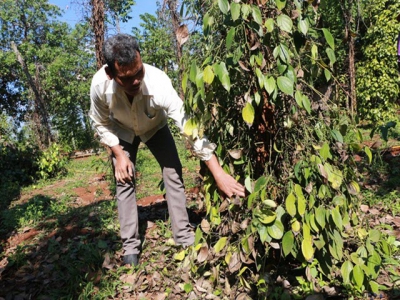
(123, 166)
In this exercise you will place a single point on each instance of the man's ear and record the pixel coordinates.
(109, 72)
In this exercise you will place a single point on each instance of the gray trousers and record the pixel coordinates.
(162, 146)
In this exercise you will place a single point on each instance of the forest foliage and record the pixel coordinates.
(269, 83)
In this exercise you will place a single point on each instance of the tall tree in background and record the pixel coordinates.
(26, 26)
(97, 22)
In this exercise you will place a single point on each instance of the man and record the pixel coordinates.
(130, 103)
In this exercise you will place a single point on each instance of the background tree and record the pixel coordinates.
(378, 86)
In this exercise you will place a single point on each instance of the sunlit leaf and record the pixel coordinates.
(260, 184)
(358, 276)
(346, 269)
(256, 14)
(331, 56)
(285, 85)
(269, 25)
(190, 125)
(276, 230)
(367, 151)
(337, 218)
(235, 10)
(208, 75)
(284, 22)
(303, 26)
(287, 243)
(269, 84)
(329, 38)
(290, 204)
(223, 6)
(229, 37)
(307, 249)
(248, 113)
(280, 4)
(179, 256)
(220, 244)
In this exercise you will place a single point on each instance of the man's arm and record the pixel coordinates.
(123, 166)
(225, 182)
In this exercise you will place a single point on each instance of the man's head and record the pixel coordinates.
(124, 64)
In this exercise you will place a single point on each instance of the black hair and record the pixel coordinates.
(120, 48)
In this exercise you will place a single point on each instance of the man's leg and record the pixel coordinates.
(163, 147)
(127, 208)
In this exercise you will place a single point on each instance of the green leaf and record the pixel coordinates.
(306, 104)
(284, 22)
(198, 235)
(230, 36)
(303, 26)
(358, 276)
(374, 287)
(367, 151)
(187, 287)
(247, 184)
(269, 84)
(223, 6)
(329, 38)
(301, 205)
(285, 85)
(331, 56)
(314, 51)
(193, 72)
(235, 11)
(260, 184)
(328, 75)
(287, 243)
(307, 249)
(276, 230)
(280, 4)
(337, 135)
(346, 269)
(248, 113)
(184, 81)
(299, 98)
(208, 75)
(179, 256)
(269, 24)
(256, 13)
(263, 233)
(325, 152)
(290, 204)
(320, 216)
(260, 78)
(190, 125)
(337, 218)
(374, 235)
(220, 244)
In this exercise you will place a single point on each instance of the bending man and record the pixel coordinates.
(130, 103)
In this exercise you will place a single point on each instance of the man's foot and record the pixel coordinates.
(131, 259)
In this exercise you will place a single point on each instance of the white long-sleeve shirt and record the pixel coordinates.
(116, 118)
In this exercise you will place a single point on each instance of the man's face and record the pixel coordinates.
(129, 77)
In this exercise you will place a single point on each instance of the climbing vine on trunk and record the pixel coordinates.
(255, 91)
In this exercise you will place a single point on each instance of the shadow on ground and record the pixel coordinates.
(63, 255)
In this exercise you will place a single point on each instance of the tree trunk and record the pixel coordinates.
(40, 115)
(97, 22)
(172, 7)
(348, 18)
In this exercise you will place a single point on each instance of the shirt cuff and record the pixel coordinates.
(203, 149)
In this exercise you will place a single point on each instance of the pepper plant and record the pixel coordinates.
(255, 91)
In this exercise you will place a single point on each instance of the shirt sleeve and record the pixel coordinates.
(100, 114)
(175, 109)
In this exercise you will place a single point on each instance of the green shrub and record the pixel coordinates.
(52, 162)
